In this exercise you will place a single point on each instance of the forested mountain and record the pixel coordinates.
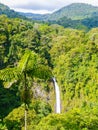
(10, 13)
(72, 57)
(77, 15)
(75, 11)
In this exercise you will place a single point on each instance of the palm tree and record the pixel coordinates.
(29, 66)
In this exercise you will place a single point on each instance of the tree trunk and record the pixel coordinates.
(25, 117)
(25, 87)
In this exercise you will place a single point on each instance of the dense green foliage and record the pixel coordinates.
(84, 24)
(76, 68)
(37, 110)
(8, 96)
(73, 57)
(73, 120)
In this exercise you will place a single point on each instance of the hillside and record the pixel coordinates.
(74, 11)
(83, 24)
(10, 13)
(77, 15)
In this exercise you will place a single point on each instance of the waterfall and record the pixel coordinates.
(57, 92)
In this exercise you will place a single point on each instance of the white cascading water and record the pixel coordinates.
(57, 92)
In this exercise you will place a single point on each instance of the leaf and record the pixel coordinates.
(28, 61)
(9, 76)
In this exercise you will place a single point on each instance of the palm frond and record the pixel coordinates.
(23, 62)
(9, 76)
(28, 61)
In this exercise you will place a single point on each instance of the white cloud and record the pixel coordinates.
(32, 11)
(42, 6)
(33, 4)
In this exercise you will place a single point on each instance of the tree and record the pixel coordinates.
(29, 66)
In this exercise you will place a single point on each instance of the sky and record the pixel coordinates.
(42, 6)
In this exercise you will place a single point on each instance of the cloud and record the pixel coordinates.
(33, 4)
(44, 5)
(32, 11)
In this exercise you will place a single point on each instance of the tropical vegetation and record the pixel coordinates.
(31, 53)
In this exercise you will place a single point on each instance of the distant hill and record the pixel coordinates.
(35, 16)
(75, 11)
(10, 13)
